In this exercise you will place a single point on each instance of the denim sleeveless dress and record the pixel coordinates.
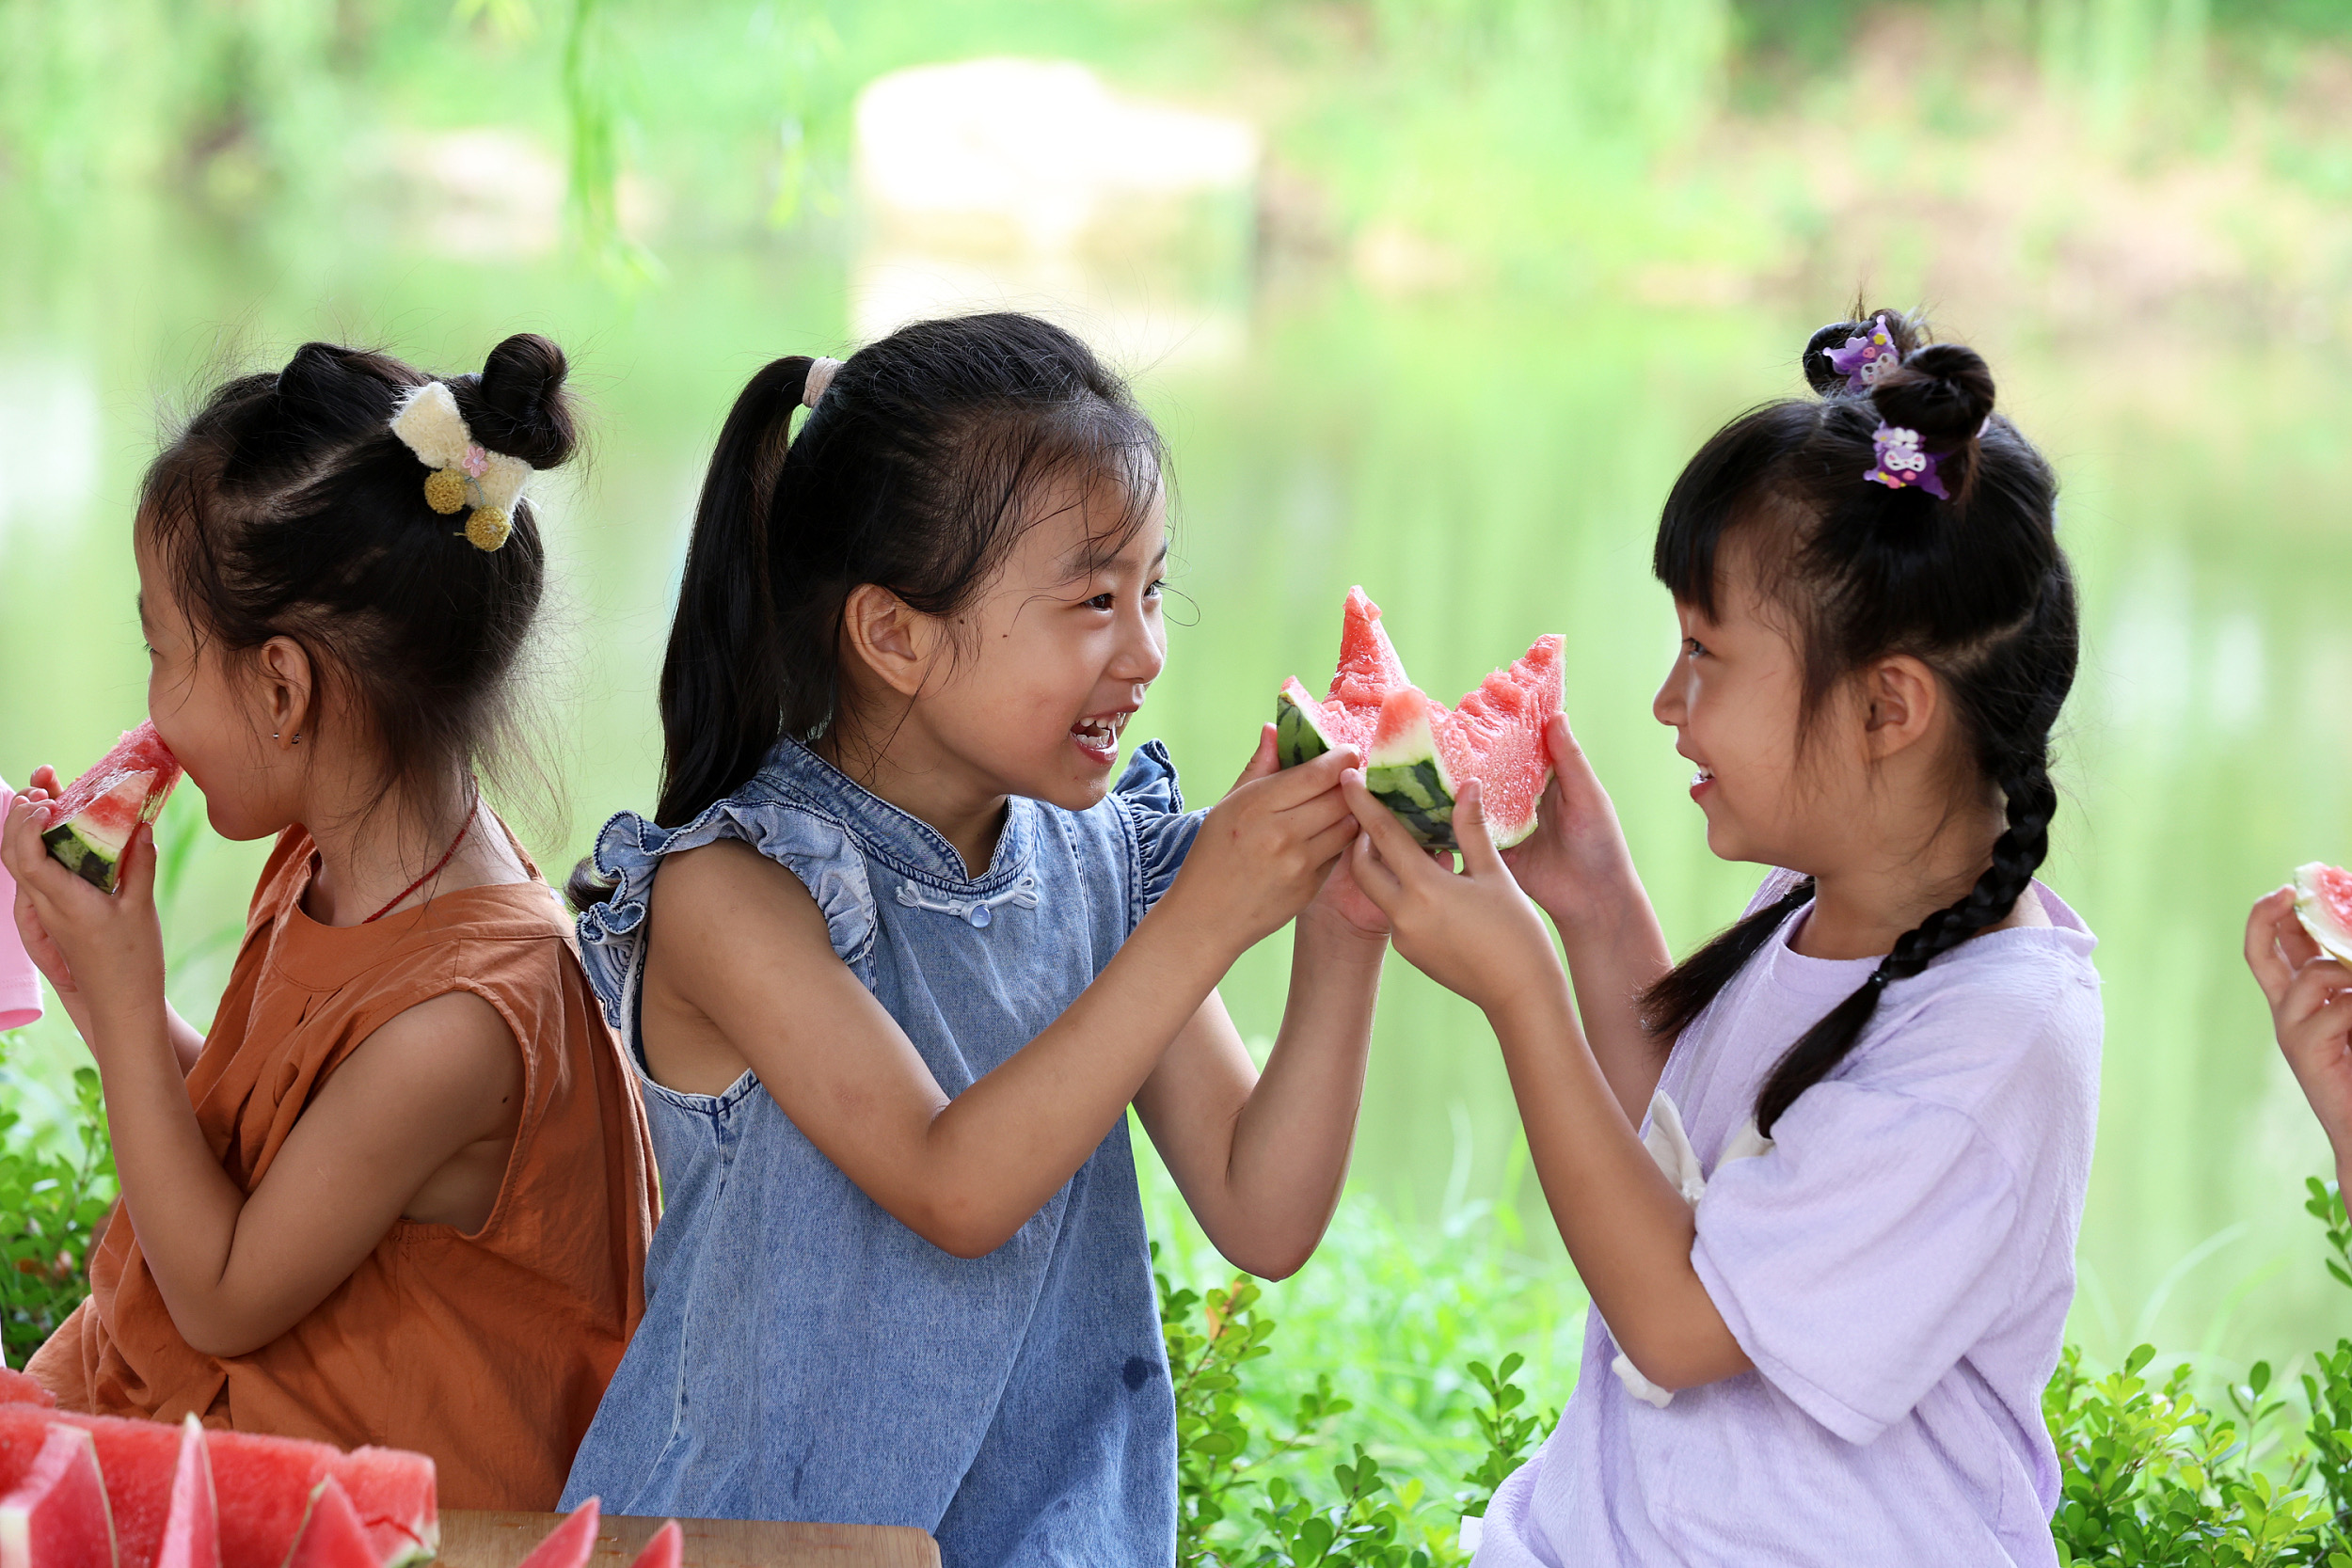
(805, 1356)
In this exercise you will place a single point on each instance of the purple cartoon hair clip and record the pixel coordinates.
(1902, 463)
(1867, 356)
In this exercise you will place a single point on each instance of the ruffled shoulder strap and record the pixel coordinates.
(1153, 804)
(812, 846)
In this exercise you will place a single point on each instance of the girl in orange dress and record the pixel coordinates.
(401, 1192)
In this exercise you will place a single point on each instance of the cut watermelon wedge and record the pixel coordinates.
(332, 1535)
(667, 1549)
(568, 1544)
(261, 1484)
(192, 1527)
(92, 821)
(24, 1389)
(2322, 901)
(56, 1515)
(1418, 752)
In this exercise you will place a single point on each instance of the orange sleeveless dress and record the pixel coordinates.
(488, 1352)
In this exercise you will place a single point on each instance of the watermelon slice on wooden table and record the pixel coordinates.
(667, 1549)
(263, 1486)
(192, 1527)
(2322, 901)
(568, 1544)
(332, 1535)
(1418, 752)
(91, 823)
(55, 1516)
(23, 1388)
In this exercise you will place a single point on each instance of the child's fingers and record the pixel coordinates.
(1396, 846)
(2271, 969)
(1328, 844)
(45, 780)
(1263, 763)
(2313, 987)
(1373, 876)
(1292, 788)
(1480, 858)
(137, 886)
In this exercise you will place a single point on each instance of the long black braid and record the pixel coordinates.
(1974, 585)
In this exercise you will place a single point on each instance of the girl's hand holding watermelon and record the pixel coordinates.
(102, 953)
(2310, 992)
(1578, 869)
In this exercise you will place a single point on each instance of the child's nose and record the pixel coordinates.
(1141, 654)
(1667, 706)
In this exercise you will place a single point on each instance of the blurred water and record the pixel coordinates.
(1489, 470)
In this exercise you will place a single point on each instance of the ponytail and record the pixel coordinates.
(913, 471)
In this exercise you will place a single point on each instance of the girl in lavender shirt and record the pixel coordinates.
(1823, 1178)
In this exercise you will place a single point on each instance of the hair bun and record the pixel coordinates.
(517, 405)
(1944, 391)
(1824, 377)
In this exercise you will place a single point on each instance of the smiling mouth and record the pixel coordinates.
(1101, 731)
(1704, 775)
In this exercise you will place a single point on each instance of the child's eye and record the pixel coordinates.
(1153, 592)
(1692, 647)
(1104, 601)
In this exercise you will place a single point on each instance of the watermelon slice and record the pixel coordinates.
(1417, 750)
(264, 1486)
(568, 1544)
(93, 820)
(332, 1535)
(667, 1549)
(23, 1388)
(2322, 901)
(56, 1515)
(192, 1527)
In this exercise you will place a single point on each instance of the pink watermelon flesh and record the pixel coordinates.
(263, 1483)
(57, 1516)
(23, 1388)
(2322, 901)
(568, 1544)
(667, 1549)
(192, 1527)
(332, 1535)
(1416, 749)
(92, 823)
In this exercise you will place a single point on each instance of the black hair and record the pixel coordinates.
(912, 472)
(286, 507)
(1975, 587)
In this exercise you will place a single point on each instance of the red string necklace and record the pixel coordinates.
(472, 803)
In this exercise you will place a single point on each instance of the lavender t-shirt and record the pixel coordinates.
(1898, 1266)
(20, 988)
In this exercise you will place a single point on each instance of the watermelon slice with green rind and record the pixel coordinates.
(1417, 750)
(91, 823)
(55, 1515)
(2322, 901)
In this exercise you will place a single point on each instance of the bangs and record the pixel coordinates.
(1718, 490)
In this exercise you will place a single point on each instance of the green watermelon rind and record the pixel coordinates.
(91, 857)
(1299, 732)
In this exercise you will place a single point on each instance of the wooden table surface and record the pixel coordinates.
(470, 1540)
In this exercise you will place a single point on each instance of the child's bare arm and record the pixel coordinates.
(1261, 1159)
(1577, 868)
(1627, 1229)
(428, 1087)
(740, 940)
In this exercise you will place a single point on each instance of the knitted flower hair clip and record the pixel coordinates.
(464, 474)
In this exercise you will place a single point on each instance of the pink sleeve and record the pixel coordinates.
(20, 987)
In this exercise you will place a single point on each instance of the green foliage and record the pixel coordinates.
(1508, 1436)
(51, 1209)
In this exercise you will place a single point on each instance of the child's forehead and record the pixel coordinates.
(1074, 530)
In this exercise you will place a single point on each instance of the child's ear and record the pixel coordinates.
(892, 640)
(1901, 701)
(289, 688)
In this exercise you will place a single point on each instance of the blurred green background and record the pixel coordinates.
(1432, 295)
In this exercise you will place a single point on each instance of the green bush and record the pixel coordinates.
(52, 1207)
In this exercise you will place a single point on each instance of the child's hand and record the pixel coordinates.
(1344, 903)
(105, 951)
(2311, 1012)
(1577, 857)
(1474, 933)
(1264, 850)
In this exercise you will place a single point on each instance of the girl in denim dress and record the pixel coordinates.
(894, 956)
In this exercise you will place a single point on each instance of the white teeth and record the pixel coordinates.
(1103, 732)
